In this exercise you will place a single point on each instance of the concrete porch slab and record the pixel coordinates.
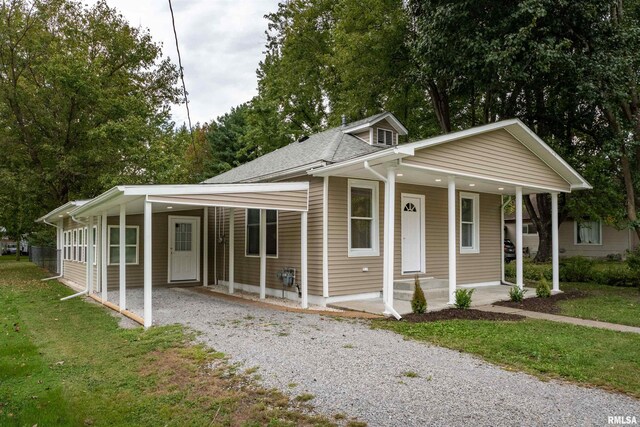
(482, 296)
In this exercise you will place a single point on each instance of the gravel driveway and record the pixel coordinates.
(355, 370)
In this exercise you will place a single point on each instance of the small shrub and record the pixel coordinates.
(463, 298)
(543, 290)
(633, 261)
(616, 275)
(510, 271)
(418, 302)
(516, 294)
(576, 269)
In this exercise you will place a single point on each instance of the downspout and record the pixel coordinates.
(374, 172)
(59, 275)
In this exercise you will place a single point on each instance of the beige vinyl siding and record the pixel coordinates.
(364, 135)
(268, 199)
(247, 268)
(496, 155)
(160, 255)
(384, 124)
(346, 275)
(472, 268)
(74, 271)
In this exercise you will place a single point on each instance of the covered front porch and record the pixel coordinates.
(150, 236)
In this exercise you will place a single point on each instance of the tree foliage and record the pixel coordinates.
(84, 105)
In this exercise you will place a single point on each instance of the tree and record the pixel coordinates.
(83, 97)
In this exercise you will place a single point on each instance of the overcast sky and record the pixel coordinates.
(221, 43)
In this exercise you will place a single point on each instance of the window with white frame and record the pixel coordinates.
(130, 244)
(469, 223)
(588, 232)
(385, 137)
(94, 239)
(529, 228)
(74, 245)
(80, 244)
(66, 246)
(363, 218)
(84, 247)
(252, 244)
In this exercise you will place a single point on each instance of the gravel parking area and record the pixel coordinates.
(352, 369)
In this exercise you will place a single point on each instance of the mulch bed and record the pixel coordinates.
(454, 313)
(544, 305)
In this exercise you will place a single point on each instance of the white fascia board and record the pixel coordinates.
(191, 189)
(548, 155)
(394, 122)
(61, 210)
(287, 173)
(380, 157)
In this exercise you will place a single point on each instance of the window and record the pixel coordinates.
(363, 218)
(469, 227)
(588, 233)
(130, 243)
(94, 238)
(385, 137)
(74, 245)
(66, 246)
(529, 229)
(84, 247)
(252, 243)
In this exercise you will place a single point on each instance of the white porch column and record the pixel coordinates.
(555, 257)
(123, 258)
(389, 219)
(303, 259)
(148, 251)
(519, 266)
(232, 217)
(205, 247)
(451, 230)
(502, 238)
(90, 255)
(263, 253)
(104, 256)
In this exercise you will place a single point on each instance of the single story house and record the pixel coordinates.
(343, 214)
(588, 238)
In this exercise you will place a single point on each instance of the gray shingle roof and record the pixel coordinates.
(330, 146)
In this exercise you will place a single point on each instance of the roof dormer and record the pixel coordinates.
(381, 130)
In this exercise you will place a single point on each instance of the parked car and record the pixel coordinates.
(10, 249)
(509, 251)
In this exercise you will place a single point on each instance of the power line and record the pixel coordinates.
(184, 87)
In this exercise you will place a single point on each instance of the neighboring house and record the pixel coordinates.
(592, 239)
(343, 214)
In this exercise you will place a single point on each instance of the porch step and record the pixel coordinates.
(425, 283)
(406, 295)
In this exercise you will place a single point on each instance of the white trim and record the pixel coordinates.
(109, 227)
(104, 253)
(303, 260)
(220, 204)
(352, 297)
(475, 197)
(375, 208)
(232, 249)
(395, 123)
(205, 247)
(325, 237)
(423, 267)
(519, 266)
(246, 233)
(263, 252)
(195, 239)
(384, 144)
(555, 251)
(575, 234)
(195, 189)
(484, 178)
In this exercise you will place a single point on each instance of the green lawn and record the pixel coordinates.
(591, 356)
(69, 363)
(605, 303)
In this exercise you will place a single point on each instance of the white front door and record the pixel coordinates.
(412, 233)
(184, 248)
